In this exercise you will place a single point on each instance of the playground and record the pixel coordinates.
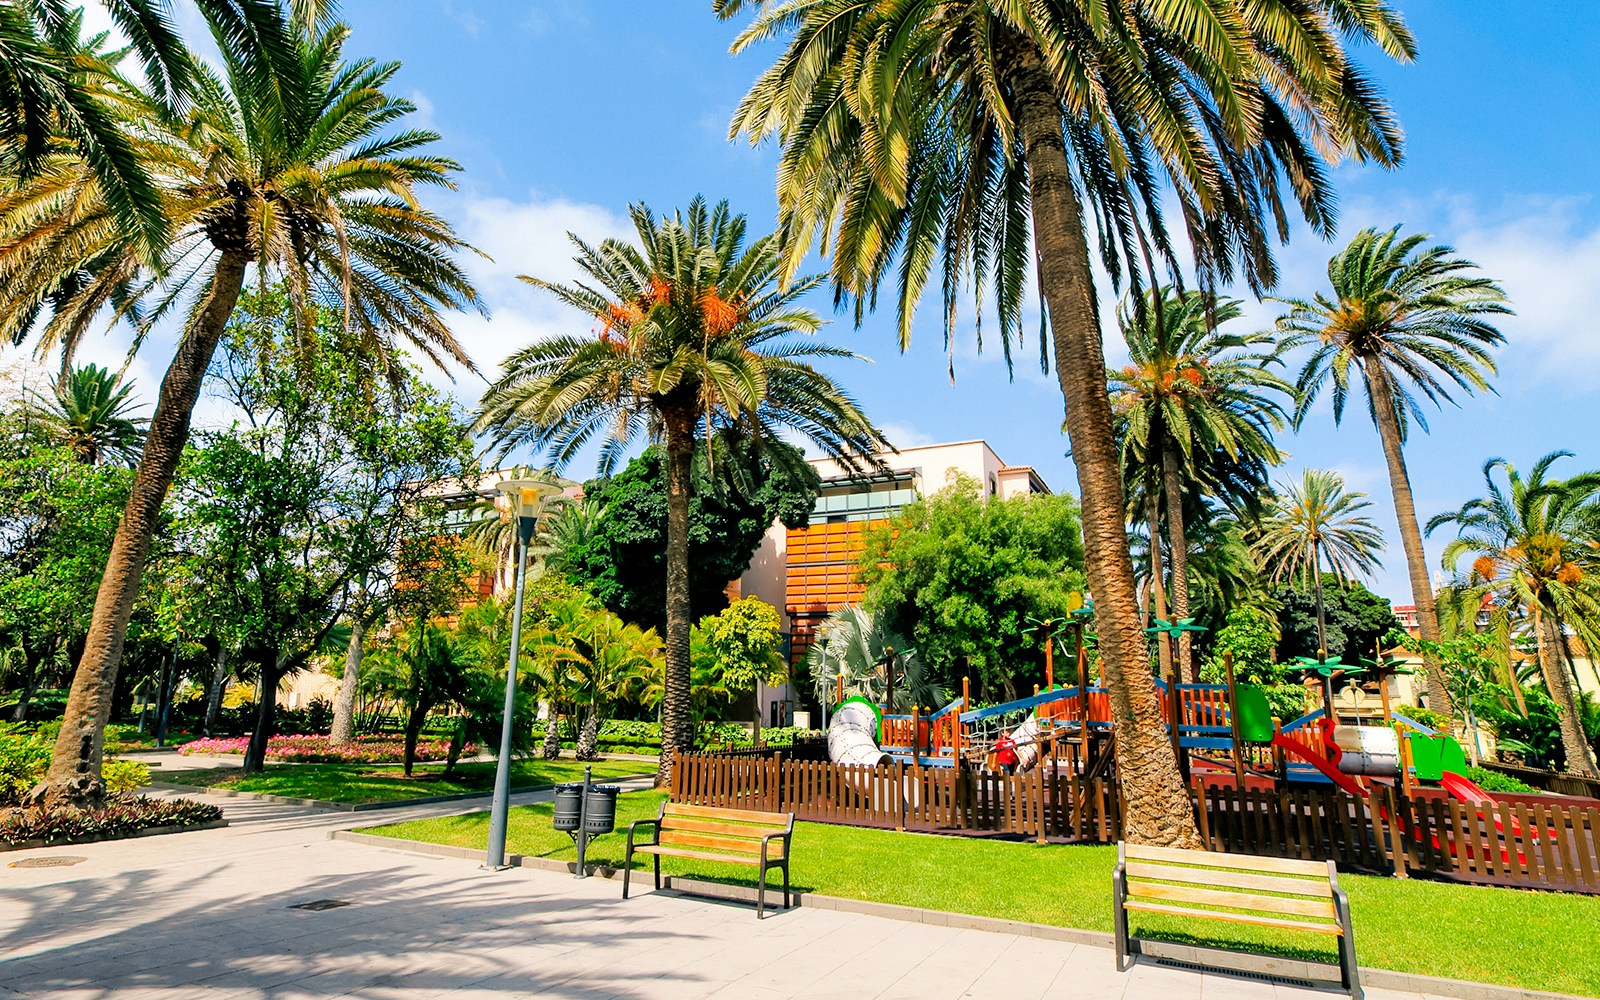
(1391, 796)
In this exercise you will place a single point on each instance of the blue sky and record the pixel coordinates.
(563, 112)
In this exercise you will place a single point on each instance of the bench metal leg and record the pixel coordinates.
(1119, 892)
(658, 869)
(627, 868)
(786, 883)
(761, 893)
(1350, 972)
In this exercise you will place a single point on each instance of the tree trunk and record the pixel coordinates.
(677, 718)
(414, 720)
(1158, 584)
(343, 729)
(1180, 561)
(219, 680)
(1559, 683)
(552, 735)
(74, 774)
(589, 735)
(255, 754)
(1157, 807)
(30, 681)
(1405, 513)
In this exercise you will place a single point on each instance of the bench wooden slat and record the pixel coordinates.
(1232, 879)
(683, 852)
(1241, 918)
(1299, 906)
(779, 821)
(745, 830)
(1208, 859)
(728, 845)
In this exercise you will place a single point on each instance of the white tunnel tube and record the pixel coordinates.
(852, 736)
(1026, 739)
(1368, 750)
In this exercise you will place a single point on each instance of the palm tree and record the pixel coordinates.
(1410, 320)
(1317, 521)
(598, 659)
(1189, 393)
(982, 137)
(856, 644)
(91, 416)
(1534, 549)
(693, 332)
(287, 166)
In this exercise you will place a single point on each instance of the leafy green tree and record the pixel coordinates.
(961, 574)
(1404, 320)
(696, 330)
(1354, 620)
(613, 545)
(1191, 393)
(57, 517)
(744, 646)
(290, 162)
(1534, 540)
(986, 137)
(1250, 637)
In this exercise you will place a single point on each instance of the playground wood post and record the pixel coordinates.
(1049, 663)
(1233, 717)
(1083, 703)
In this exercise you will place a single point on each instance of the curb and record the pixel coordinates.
(357, 807)
(1256, 965)
(154, 831)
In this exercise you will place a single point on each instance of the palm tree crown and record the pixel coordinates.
(1315, 522)
(1534, 545)
(93, 417)
(691, 331)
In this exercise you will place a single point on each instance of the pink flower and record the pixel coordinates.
(317, 749)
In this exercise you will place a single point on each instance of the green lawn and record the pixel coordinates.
(1517, 938)
(358, 783)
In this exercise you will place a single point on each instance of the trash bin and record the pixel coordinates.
(569, 807)
(602, 812)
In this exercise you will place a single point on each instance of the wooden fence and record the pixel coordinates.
(905, 797)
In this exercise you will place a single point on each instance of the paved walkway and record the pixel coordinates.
(209, 915)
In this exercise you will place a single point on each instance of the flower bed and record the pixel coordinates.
(121, 817)
(317, 749)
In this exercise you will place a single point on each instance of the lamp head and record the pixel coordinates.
(525, 494)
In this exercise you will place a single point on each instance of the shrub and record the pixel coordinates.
(23, 760)
(1427, 716)
(124, 775)
(1494, 781)
(120, 818)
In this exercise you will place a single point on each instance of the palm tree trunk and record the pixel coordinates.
(1405, 513)
(74, 774)
(1157, 809)
(1158, 586)
(552, 735)
(343, 729)
(1559, 682)
(677, 718)
(1180, 559)
(589, 735)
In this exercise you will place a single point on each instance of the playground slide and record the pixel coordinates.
(1321, 763)
(1461, 788)
(853, 734)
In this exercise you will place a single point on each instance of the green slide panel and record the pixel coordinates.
(1254, 715)
(1425, 756)
(1451, 757)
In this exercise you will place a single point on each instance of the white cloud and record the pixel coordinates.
(904, 435)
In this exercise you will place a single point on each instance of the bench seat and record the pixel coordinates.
(706, 833)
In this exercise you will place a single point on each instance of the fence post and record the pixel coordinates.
(775, 789)
(1397, 841)
(900, 796)
(1203, 811)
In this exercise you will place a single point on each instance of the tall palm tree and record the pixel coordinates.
(1313, 522)
(91, 414)
(1533, 546)
(288, 166)
(982, 136)
(693, 332)
(1410, 320)
(1189, 393)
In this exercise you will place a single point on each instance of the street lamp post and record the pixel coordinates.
(524, 495)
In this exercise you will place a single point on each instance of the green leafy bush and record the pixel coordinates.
(124, 775)
(121, 818)
(1427, 716)
(23, 760)
(1494, 781)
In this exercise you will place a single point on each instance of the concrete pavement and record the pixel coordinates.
(212, 914)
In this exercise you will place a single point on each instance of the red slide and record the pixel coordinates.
(1467, 791)
(1321, 763)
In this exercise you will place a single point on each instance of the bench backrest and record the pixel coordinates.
(727, 831)
(1215, 884)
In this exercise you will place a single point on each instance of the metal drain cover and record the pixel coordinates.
(321, 904)
(54, 861)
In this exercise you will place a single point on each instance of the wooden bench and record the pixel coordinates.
(1268, 892)
(736, 836)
